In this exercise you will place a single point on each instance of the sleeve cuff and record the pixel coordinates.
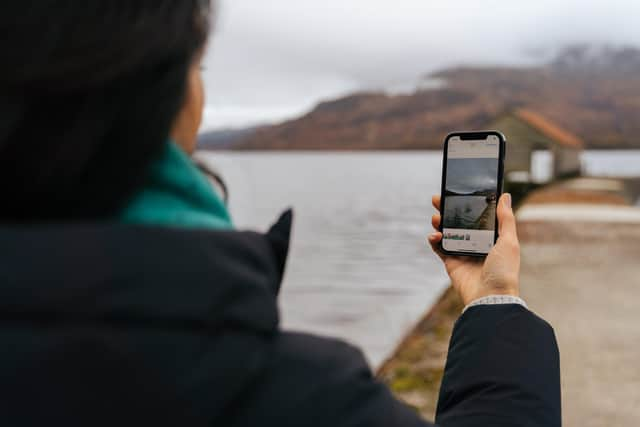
(495, 300)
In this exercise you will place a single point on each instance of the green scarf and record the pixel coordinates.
(177, 194)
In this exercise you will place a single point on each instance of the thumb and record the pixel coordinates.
(506, 219)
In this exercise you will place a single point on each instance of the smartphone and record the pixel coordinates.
(472, 180)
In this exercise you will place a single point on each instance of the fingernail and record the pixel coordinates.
(433, 236)
(507, 200)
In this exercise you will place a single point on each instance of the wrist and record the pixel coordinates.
(468, 299)
(496, 300)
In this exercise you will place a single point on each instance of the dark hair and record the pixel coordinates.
(88, 93)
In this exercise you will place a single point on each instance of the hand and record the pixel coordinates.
(498, 273)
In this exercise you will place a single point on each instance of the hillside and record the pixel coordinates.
(223, 138)
(592, 92)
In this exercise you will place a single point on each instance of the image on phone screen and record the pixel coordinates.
(471, 192)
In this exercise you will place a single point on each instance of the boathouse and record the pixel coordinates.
(528, 132)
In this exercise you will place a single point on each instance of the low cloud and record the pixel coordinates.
(270, 60)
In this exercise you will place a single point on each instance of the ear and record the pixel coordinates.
(187, 123)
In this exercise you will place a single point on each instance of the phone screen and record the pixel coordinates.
(471, 191)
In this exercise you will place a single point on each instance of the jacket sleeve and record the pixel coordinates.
(503, 369)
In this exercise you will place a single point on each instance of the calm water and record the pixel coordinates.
(359, 268)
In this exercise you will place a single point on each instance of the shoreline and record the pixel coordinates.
(415, 368)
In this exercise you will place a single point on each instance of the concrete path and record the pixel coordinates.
(582, 274)
(587, 213)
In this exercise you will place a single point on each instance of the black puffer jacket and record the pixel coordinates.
(111, 325)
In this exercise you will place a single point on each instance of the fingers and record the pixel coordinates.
(435, 221)
(435, 201)
(507, 220)
(437, 218)
(434, 240)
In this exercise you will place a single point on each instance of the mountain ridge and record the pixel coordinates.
(593, 92)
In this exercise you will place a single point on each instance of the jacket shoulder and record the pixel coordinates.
(317, 381)
(314, 353)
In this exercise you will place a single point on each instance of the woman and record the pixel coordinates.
(126, 297)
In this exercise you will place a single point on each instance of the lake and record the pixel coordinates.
(359, 267)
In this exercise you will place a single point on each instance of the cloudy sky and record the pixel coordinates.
(273, 59)
(470, 175)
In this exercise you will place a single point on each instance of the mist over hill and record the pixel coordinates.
(592, 91)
